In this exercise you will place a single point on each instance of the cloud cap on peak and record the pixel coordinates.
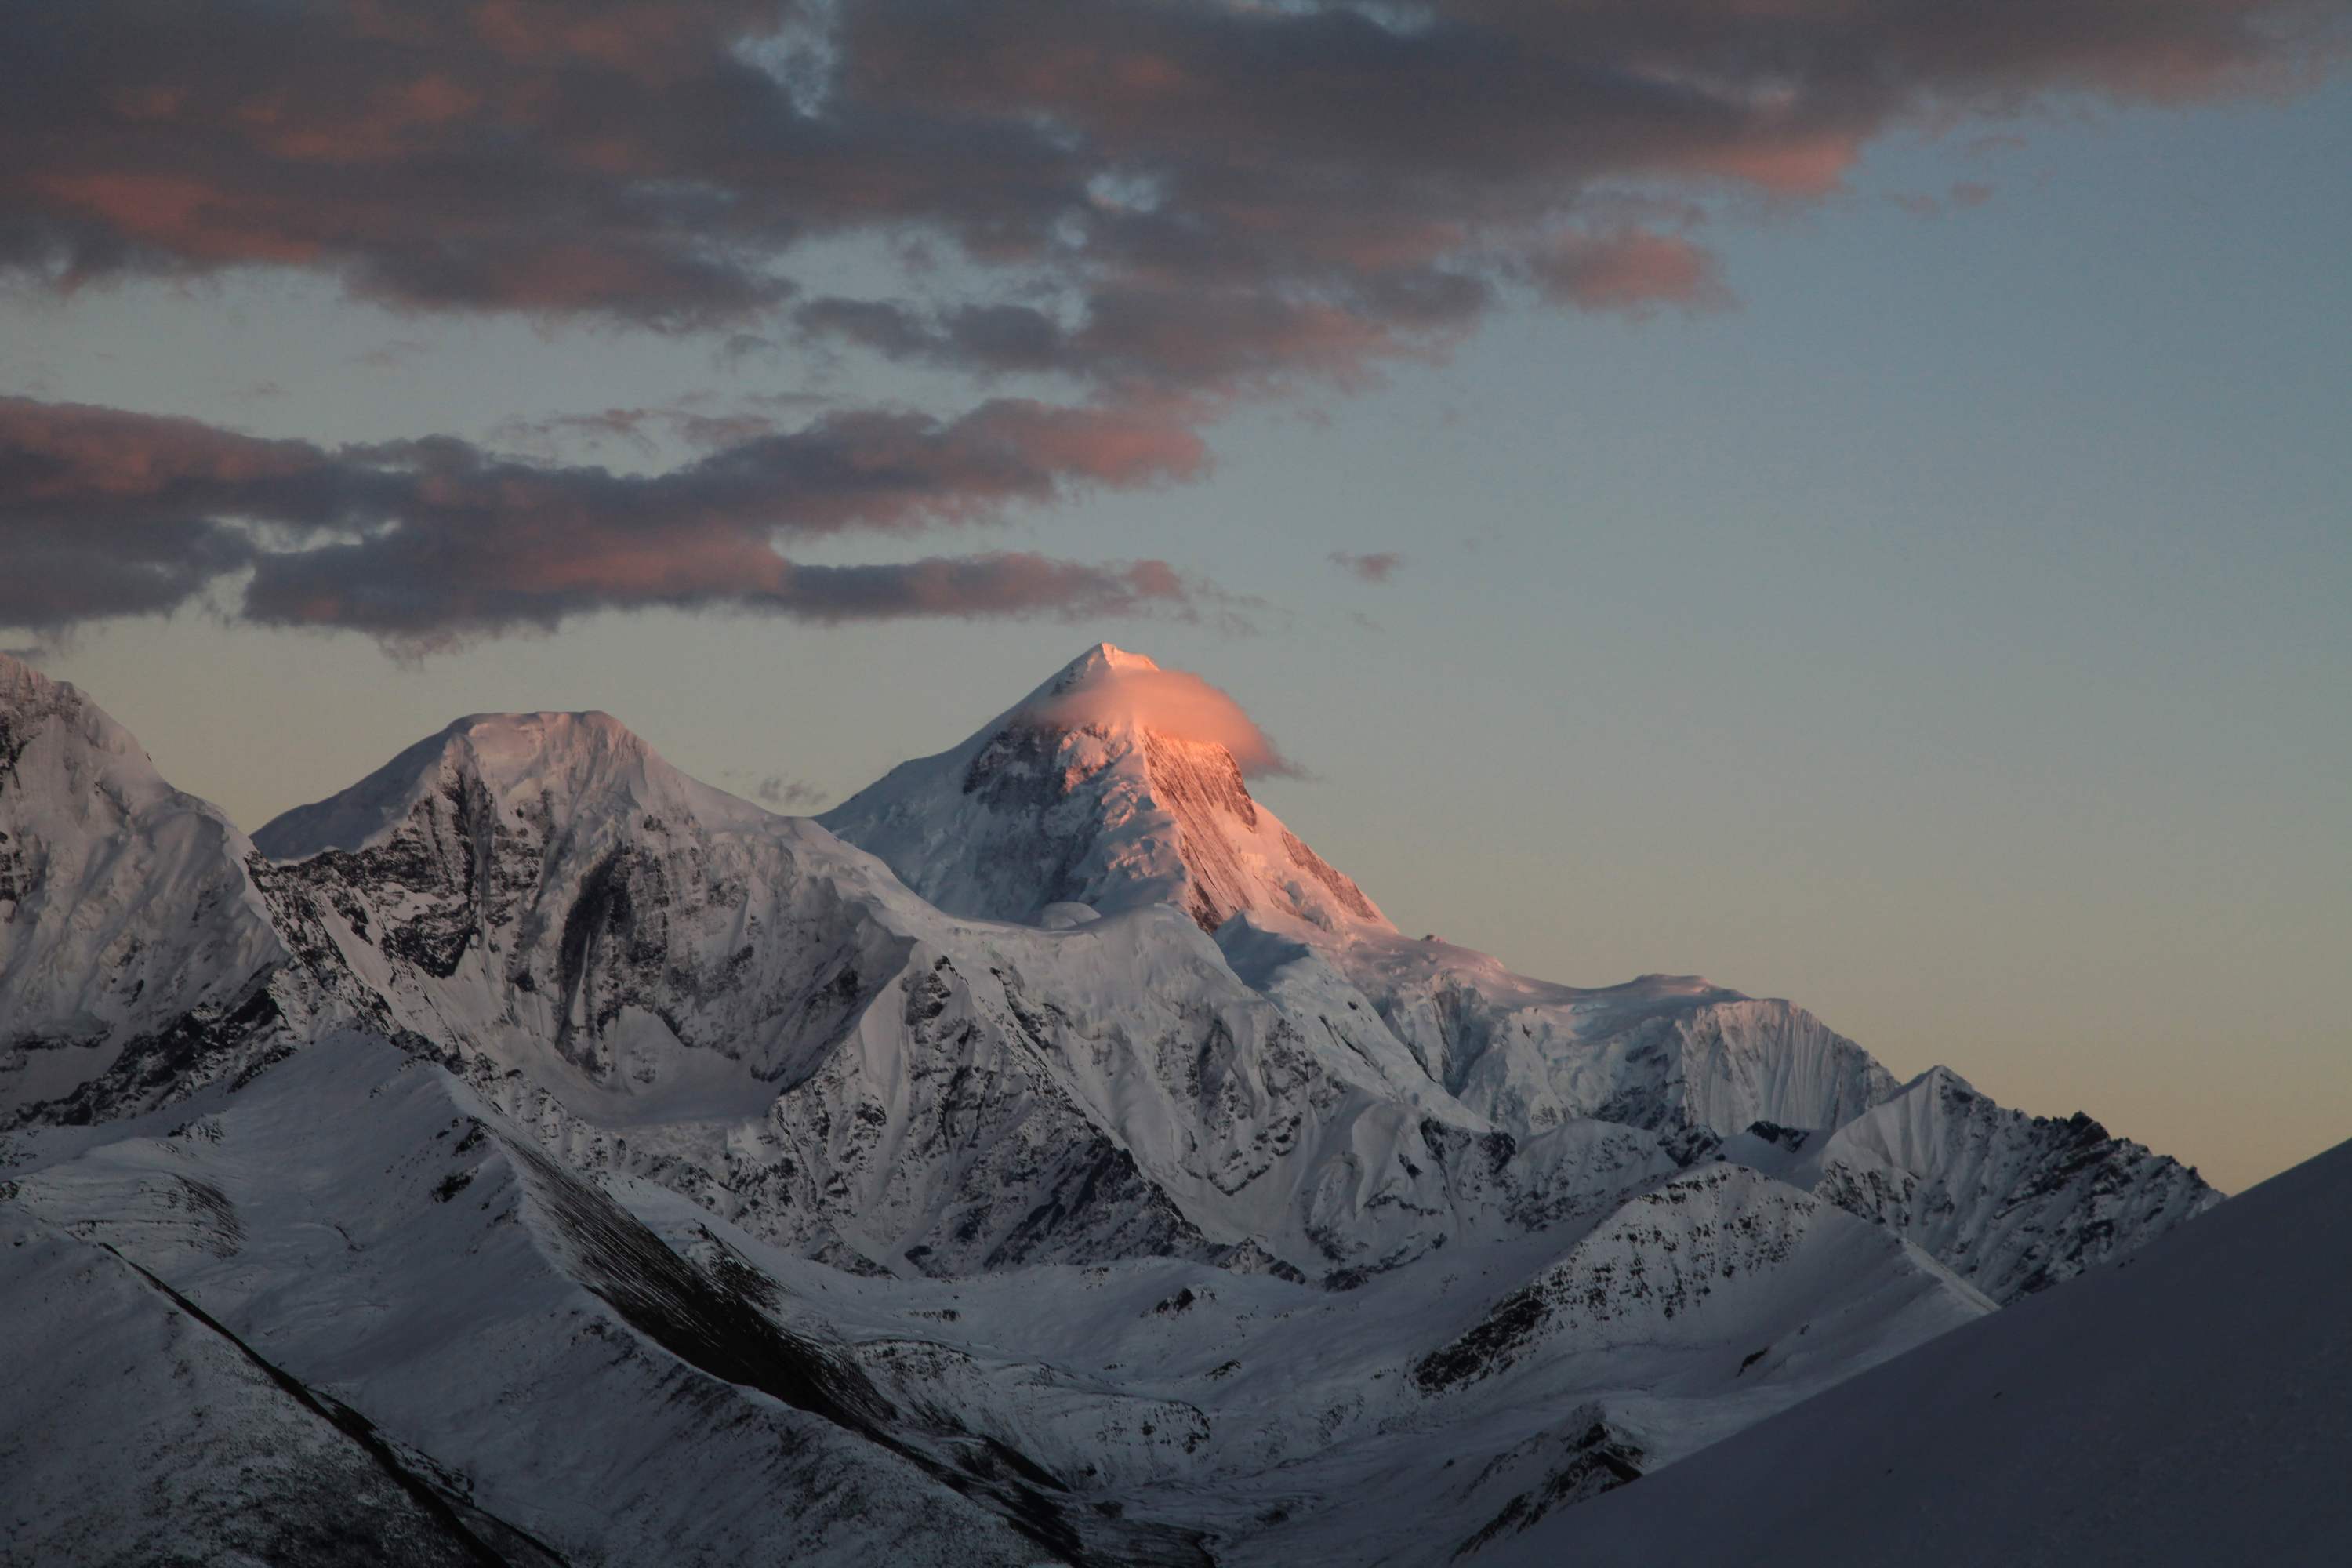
(1123, 689)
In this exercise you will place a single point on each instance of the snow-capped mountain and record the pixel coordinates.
(132, 944)
(1101, 791)
(1146, 1195)
(1113, 786)
(668, 981)
(994, 826)
(2013, 1203)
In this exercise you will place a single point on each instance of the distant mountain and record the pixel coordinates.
(1169, 1198)
(2014, 1202)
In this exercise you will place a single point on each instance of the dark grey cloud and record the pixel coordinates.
(106, 513)
(1164, 206)
(1218, 193)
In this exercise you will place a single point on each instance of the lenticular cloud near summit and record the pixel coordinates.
(1172, 702)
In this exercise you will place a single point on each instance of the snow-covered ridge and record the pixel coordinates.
(2016, 1203)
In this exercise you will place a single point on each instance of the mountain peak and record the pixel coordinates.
(1116, 783)
(505, 748)
(32, 702)
(1101, 665)
(23, 688)
(579, 758)
(1103, 658)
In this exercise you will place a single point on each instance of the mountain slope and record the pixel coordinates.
(133, 946)
(2185, 1406)
(513, 1341)
(1287, 1422)
(2014, 1202)
(136, 1430)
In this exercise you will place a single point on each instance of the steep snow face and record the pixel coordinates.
(1093, 791)
(543, 890)
(131, 941)
(2185, 1406)
(1670, 1052)
(1712, 1247)
(512, 758)
(2014, 1202)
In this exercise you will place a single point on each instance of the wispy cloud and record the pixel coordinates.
(785, 794)
(1376, 566)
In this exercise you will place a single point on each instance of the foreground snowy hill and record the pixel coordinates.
(353, 1300)
(441, 1317)
(1143, 1192)
(2185, 1406)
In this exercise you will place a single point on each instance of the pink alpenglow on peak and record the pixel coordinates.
(1116, 784)
(1114, 689)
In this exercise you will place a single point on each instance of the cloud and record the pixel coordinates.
(390, 355)
(1631, 270)
(104, 513)
(788, 793)
(1173, 703)
(1378, 566)
(643, 430)
(1152, 210)
(1217, 197)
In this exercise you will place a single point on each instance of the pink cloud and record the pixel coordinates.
(1173, 702)
(1631, 270)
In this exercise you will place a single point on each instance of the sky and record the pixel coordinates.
(1849, 499)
